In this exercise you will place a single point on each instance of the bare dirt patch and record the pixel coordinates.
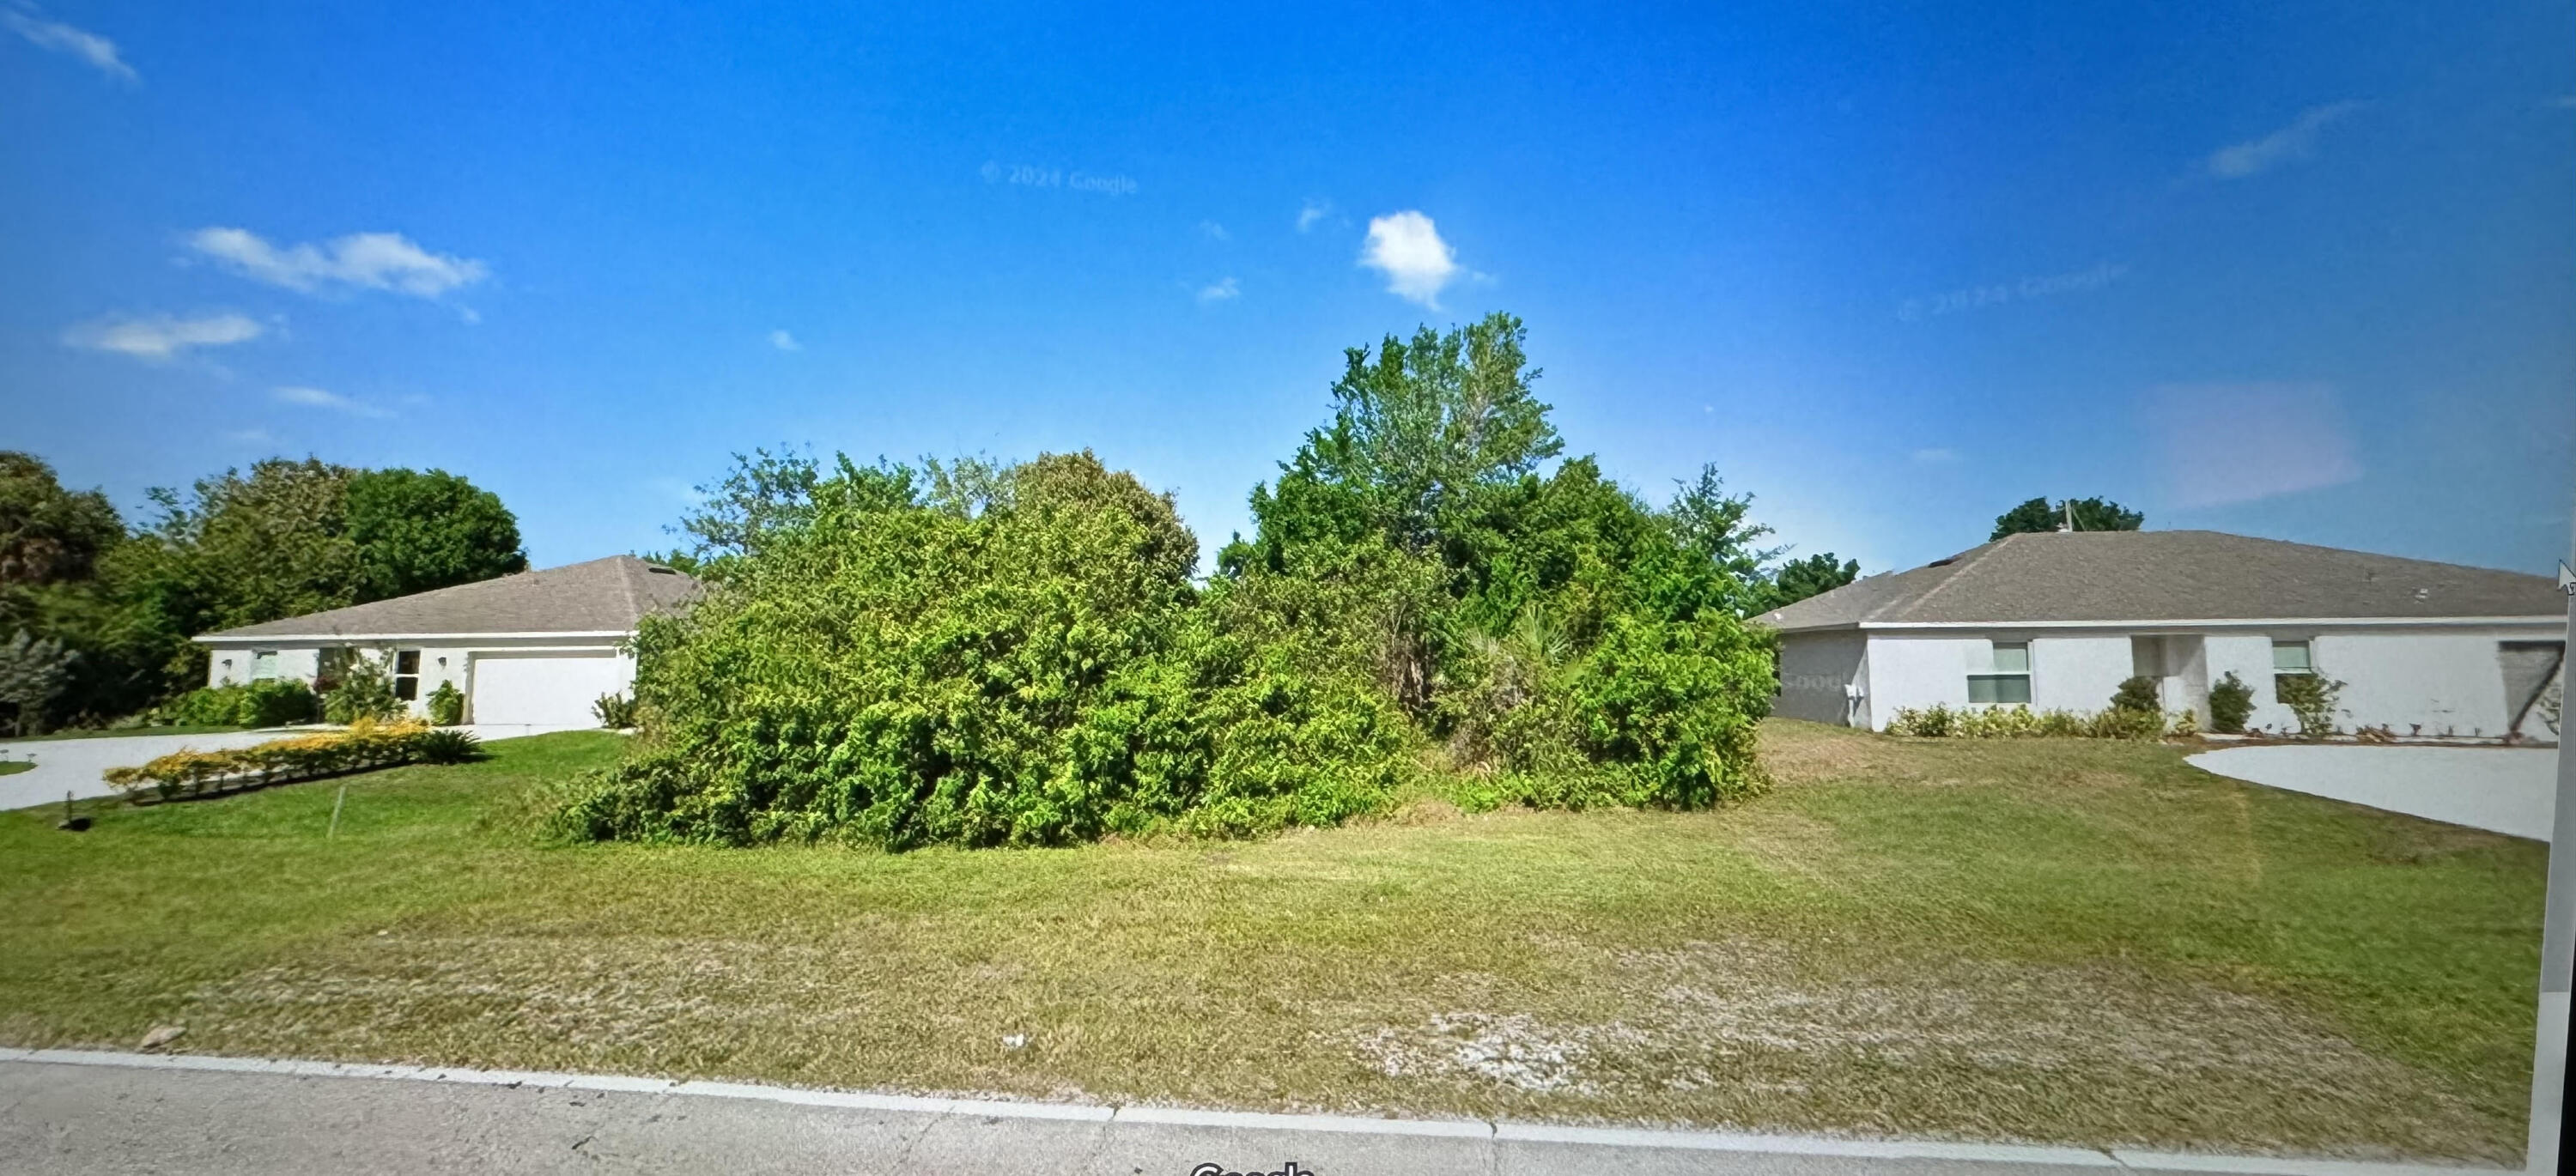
(1753, 1034)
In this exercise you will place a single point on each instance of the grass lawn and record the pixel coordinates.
(13, 767)
(2039, 940)
(107, 733)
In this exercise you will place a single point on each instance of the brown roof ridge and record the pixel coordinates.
(1959, 566)
(626, 582)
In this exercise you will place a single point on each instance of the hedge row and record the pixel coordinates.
(1971, 722)
(361, 747)
(272, 702)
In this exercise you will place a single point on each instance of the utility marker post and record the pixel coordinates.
(2557, 938)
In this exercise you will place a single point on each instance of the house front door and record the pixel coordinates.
(2179, 665)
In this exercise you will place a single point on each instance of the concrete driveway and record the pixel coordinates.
(2511, 790)
(73, 765)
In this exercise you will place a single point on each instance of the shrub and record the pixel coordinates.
(1670, 710)
(2311, 698)
(2231, 703)
(2018, 722)
(366, 744)
(277, 702)
(446, 705)
(615, 711)
(272, 702)
(2139, 693)
(362, 690)
(1032, 667)
(206, 706)
(2062, 724)
(2120, 723)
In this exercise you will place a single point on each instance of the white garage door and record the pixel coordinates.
(549, 690)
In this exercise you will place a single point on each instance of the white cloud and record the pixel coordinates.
(1220, 291)
(374, 261)
(317, 398)
(1408, 249)
(250, 436)
(1215, 231)
(161, 336)
(2230, 443)
(783, 341)
(2564, 102)
(63, 38)
(2295, 141)
(1313, 210)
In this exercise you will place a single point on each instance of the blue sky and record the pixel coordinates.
(2303, 271)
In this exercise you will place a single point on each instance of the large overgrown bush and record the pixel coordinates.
(980, 654)
(1023, 663)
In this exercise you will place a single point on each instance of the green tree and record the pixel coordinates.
(1435, 453)
(416, 530)
(32, 672)
(244, 549)
(1416, 427)
(2039, 515)
(677, 559)
(57, 550)
(1799, 579)
(49, 535)
(763, 493)
(768, 496)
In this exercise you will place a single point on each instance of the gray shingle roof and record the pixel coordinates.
(2169, 576)
(602, 596)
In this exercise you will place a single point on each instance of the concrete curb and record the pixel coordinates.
(1610, 1137)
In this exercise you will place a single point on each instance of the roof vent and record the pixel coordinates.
(660, 570)
(1943, 562)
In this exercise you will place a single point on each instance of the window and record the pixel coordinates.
(2290, 658)
(407, 675)
(2007, 677)
(329, 665)
(263, 664)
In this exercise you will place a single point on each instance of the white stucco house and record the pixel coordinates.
(2058, 620)
(536, 648)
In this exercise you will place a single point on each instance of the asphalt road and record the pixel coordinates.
(87, 1118)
